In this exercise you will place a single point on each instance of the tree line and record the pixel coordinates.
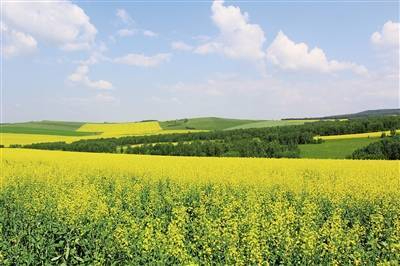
(385, 149)
(280, 141)
(240, 148)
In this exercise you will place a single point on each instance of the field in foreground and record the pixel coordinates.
(58, 207)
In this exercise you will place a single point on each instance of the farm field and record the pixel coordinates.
(52, 131)
(334, 148)
(359, 135)
(60, 128)
(271, 123)
(114, 208)
(115, 129)
(205, 123)
(206, 133)
(216, 123)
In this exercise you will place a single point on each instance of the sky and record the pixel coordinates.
(136, 60)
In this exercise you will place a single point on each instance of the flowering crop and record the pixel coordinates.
(104, 131)
(354, 136)
(65, 207)
(113, 129)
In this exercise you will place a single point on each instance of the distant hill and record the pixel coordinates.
(45, 127)
(367, 113)
(205, 123)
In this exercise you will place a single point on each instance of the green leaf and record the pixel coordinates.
(56, 258)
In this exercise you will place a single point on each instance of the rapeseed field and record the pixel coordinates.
(105, 130)
(113, 129)
(358, 135)
(83, 208)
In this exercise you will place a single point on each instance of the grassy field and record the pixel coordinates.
(334, 148)
(84, 208)
(205, 123)
(271, 123)
(59, 128)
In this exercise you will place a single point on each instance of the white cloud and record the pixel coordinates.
(81, 76)
(123, 15)
(286, 97)
(289, 55)
(389, 35)
(143, 60)
(130, 28)
(179, 45)
(61, 23)
(126, 32)
(149, 33)
(238, 39)
(17, 43)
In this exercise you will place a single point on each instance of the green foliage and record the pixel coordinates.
(238, 148)
(167, 223)
(385, 149)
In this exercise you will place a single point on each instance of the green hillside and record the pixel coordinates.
(334, 149)
(270, 123)
(367, 113)
(60, 128)
(205, 123)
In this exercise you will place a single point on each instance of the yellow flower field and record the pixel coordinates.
(105, 131)
(359, 135)
(88, 208)
(112, 129)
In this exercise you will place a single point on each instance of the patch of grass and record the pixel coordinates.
(59, 128)
(205, 123)
(335, 148)
(271, 123)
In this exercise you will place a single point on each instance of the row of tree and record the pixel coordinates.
(241, 148)
(385, 149)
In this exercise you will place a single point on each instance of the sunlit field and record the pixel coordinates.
(107, 129)
(359, 135)
(104, 208)
(102, 130)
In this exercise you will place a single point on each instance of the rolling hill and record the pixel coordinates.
(205, 123)
(367, 113)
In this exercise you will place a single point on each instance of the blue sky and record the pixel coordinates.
(127, 61)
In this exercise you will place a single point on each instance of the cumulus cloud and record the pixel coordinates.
(238, 39)
(142, 60)
(182, 46)
(17, 43)
(80, 76)
(288, 55)
(388, 36)
(61, 23)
